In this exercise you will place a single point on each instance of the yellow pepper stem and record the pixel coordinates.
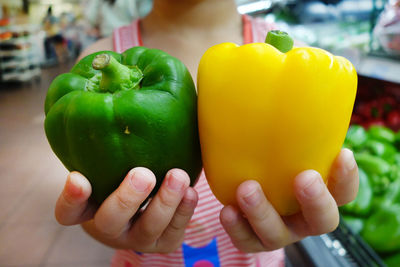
(280, 40)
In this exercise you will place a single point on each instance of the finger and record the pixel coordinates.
(157, 216)
(175, 232)
(343, 179)
(262, 216)
(319, 210)
(113, 216)
(240, 231)
(72, 205)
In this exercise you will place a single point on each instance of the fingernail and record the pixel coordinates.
(312, 184)
(253, 197)
(349, 161)
(176, 181)
(140, 180)
(74, 188)
(189, 199)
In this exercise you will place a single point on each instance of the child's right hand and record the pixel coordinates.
(117, 223)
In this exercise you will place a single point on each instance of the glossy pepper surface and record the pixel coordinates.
(268, 115)
(113, 112)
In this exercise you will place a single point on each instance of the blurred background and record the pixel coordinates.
(40, 39)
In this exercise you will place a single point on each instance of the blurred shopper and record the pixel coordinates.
(54, 42)
(107, 15)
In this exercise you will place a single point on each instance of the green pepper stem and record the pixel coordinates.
(116, 76)
(280, 40)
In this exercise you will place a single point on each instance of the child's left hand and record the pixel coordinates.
(259, 227)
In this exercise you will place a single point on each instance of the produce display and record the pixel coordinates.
(375, 213)
(377, 104)
(113, 112)
(268, 112)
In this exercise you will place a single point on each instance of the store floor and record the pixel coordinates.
(31, 178)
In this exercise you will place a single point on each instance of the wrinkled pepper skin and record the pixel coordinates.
(267, 115)
(102, 123)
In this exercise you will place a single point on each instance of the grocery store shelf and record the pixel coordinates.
(21, 75)
(17, 40)
(379, 67)
(19, 53)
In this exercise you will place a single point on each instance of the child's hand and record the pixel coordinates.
(261, 228)
(159, 228)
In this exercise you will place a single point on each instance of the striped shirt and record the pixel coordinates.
(206, 244)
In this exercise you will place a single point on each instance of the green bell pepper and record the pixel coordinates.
(113, 112)
(392, 195)
(372, 164)
(382, 133)
(397, 159)
(392, 260)
(355, 137)
(381, 149)
(382, 229)
(378, 170)
(361, 205)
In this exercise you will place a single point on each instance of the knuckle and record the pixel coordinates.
(184, 211)
(168, 200)
(106, 232)
(148, 233)
(174, 227)
(263, 213)
(276, 239)
(124, 200)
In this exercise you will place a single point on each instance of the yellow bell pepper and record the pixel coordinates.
(267, 115)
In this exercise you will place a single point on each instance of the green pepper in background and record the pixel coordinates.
(378, 170)
(356, 224)
(379, 184)
(392, 260)
(113, 112)
(389, 197)
(397, 159)
(394, 173)
(392, 195)
(382, 133)
(361, 205)
(355, 137)
(378, 157)
(382, 229)
(372, 164)
(381, 149)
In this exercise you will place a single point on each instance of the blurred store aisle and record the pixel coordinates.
(31, 177)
